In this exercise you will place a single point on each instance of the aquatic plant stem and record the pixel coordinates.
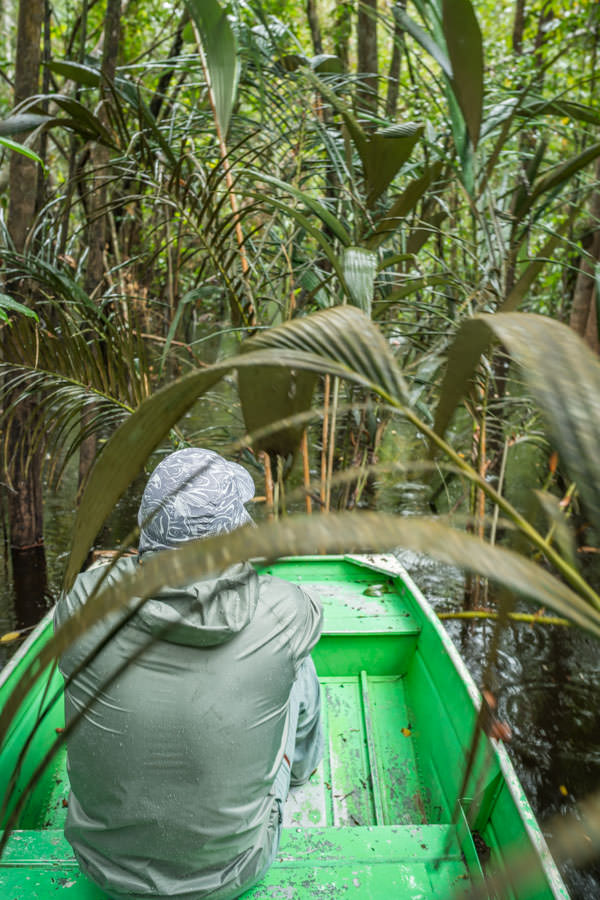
(528, 618)
(268, 483)
(334, 405)
(324, 442)
(306, 471)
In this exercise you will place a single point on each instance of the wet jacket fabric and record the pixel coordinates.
(172, 767)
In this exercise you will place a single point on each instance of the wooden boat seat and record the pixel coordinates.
(395, 861)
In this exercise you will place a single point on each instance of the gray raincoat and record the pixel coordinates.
(172, 768)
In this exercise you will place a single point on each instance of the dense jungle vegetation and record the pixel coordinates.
(367, 216)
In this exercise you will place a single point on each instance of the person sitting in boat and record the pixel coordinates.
(180, 767)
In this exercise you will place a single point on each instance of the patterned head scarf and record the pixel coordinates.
(191, 494)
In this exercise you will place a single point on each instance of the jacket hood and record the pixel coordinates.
(206, 612)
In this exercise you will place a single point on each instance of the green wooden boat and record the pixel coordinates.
(382, 818)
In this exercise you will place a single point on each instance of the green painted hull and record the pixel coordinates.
(379, 819)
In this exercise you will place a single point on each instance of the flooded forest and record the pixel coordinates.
(355, 247)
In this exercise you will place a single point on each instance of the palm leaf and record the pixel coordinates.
(465, 49)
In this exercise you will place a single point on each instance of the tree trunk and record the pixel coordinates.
(97, 216)
(368, 67)
(25, 509)
(518, 27)
(583, 318)
(391, 101)
(315, 28)
(342, 29)
(97, 227)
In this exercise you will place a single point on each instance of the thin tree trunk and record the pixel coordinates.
(518, 27)
(98, 218)
(368, 67)
(25, 506)
(97, 228)
(541, 37)
(394, 71)
(342, 29)
(583, 319)
(313, 23)
(584, 309)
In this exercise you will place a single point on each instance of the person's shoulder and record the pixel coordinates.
(86, 582)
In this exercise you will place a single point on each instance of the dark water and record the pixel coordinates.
(547, 679)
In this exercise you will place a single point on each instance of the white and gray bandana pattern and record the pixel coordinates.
(191, 494)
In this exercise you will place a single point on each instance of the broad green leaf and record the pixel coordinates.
(7, 302)
(563, 535)
(24, 151)
(424, 39)
(220, 51)
(326, 64)
(83, 120)
(404, 204)
(300, 535)
(561, 373)
(22, 123)
(383, 153)
(75, 71)
(271, 395)
(460, 134)
(465, 49)
(360, 268)
(291, 62)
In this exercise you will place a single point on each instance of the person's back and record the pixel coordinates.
(176, 768)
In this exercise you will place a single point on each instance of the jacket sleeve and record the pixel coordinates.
(309, 621)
